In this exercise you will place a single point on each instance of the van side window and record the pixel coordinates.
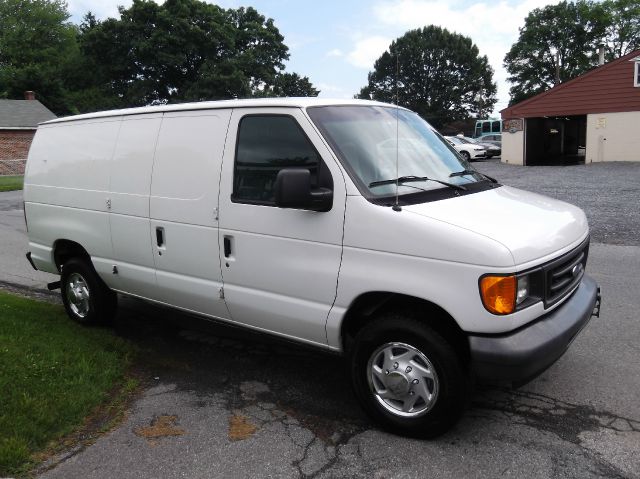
(266, 144)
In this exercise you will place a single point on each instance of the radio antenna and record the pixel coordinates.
(396, 206)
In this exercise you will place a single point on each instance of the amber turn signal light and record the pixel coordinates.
(499, 293)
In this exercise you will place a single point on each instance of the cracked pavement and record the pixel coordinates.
(234, 404)
(303, 421)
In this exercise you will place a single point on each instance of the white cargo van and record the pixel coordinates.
(349, 225)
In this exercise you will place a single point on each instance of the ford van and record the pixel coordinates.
(348, 225)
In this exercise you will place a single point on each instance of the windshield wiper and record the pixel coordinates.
(471, 172)
(411, 178)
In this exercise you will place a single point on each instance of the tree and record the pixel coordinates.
(290, 84)
(84, 87)
(621, 20)
(37, 43)
(560, 42)
(554, 45)
(183, 50)
(436, 73)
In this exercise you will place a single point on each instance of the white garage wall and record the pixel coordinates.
(513, 148)
(613, 137)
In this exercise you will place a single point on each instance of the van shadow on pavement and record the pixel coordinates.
(208, 358)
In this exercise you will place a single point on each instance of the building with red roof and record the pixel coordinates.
(592, 118)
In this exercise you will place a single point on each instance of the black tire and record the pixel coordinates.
(90, 301)
(466, 156)
(452, 381)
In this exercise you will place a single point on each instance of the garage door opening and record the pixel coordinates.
(555, 140)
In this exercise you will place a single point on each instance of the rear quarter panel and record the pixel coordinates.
(66, 187)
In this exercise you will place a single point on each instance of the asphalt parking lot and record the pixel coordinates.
(223, 403)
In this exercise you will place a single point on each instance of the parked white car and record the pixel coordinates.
(347, 225)
(466, 149)
(491, 149)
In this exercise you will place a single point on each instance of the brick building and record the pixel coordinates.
(18, 122)
(593, 118)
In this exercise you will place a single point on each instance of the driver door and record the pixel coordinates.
(279, 266)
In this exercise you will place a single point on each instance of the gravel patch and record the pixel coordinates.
(609, 193)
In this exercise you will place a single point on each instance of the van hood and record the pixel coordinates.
(531, 226)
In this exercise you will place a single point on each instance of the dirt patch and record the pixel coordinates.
(161, 426)
(240, 428)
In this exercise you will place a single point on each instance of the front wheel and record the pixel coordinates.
(407, 377)
(466, 155)
(86, 298)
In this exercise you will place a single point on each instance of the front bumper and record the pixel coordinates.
(522, 355)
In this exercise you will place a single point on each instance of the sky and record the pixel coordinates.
(335, 43)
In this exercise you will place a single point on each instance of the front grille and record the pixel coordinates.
(563, 274)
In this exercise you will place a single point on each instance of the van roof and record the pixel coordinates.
(301, 102)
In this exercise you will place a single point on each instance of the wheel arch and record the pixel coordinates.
(366, 306)
(64, 250)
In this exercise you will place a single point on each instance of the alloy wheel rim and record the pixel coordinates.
(402, 379)
(78, 296)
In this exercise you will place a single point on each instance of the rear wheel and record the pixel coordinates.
(86, 298)
(407, 377)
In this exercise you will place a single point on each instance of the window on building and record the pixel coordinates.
(267, 144)
(636, 73)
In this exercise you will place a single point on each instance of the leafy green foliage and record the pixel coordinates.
(53, 372)
(186, 50)
(36, 43)
(182, 50)
(290, 84)
(439, 74)
(621, 20)
(559, 42)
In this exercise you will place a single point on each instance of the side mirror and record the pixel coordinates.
(293, 190)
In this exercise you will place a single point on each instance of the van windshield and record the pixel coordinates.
(368, 140)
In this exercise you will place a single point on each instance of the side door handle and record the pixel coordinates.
(227, 246)
(160, 236)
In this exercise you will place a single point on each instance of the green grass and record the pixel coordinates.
(53, 374)
(10, 183)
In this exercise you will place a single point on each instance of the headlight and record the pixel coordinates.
(522, 290)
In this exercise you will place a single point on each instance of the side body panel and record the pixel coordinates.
(67, 188)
